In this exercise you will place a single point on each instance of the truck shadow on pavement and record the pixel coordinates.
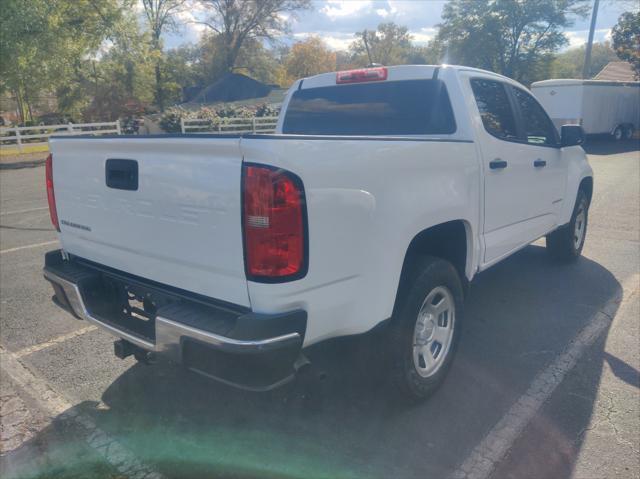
(622, 370)
(340, 419)
(604, 145)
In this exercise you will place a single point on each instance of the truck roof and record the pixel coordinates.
(577, 82)
(396, 72)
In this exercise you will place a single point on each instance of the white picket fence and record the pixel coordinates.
(24, 135)
(18, 135)
(263, 124)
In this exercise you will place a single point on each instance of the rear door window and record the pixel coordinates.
(495, 108)
(409, 107)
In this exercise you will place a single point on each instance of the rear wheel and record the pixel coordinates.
(628, 132)
(566, 243)
(618, 133)
(426, 329)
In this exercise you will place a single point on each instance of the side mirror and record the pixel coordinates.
(571, 135)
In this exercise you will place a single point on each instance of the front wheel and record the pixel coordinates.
(566, 243)
(426, 329)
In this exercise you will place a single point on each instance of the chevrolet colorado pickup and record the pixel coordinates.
(382, 193)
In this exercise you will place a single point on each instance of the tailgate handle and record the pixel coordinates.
(122, 174)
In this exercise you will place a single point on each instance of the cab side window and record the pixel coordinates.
(538, 128)
(495, 108)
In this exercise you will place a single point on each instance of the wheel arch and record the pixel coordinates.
(451, 241)
(586, 185)
(579, 177)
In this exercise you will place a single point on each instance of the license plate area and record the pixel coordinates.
(130, 308)
(142, 308)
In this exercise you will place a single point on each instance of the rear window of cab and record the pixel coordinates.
(389, 108)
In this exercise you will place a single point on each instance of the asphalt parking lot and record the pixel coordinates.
(546, 383)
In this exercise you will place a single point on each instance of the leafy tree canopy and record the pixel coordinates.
(160, 16)
(309, 57)
(252, 59)
(626, 39)
(513, 37)
(388, 45)
(569, 64)
(45, 41)
(238, 21)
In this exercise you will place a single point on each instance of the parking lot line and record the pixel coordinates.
(29, 246)
(60, 339)
(16, 212)
(495, 445)
(108, 447)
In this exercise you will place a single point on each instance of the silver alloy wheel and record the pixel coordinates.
(580, 225)
(433, 333)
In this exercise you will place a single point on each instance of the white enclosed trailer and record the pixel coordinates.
(601, 107)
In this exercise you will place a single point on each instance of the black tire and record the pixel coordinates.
(628, 132)
(432, 275)
(618, 133)
(562, 244)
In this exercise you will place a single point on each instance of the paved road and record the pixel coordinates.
(546, 384)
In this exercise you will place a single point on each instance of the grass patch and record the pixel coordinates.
(26, 149)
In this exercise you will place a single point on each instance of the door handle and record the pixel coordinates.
(497, 164)
(539, 163)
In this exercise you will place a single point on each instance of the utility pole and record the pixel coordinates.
(587, 55)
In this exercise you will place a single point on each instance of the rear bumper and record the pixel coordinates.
(225, 342)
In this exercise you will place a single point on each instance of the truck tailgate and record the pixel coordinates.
(180, 226)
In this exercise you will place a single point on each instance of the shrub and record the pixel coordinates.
(231, 111)
(170, 120)
(267, 110)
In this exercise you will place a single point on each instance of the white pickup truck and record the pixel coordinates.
(381, 195)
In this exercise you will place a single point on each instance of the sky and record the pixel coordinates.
(337, 21)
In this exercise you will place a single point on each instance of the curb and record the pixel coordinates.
(21, 164)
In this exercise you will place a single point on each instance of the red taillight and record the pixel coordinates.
(362, 75)
(274, 220)
(51, 197)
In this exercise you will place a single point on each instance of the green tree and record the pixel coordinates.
(309, 57)
(390, 44)
(124, 76)
(44, 43)
(160, 15)
(345, 61)
(513, 37)
(257, 62)
(569, 64)
(253, 59)
(182, 70)
(626, 39)
(116, 81)
(420, 55)
(238, 21)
